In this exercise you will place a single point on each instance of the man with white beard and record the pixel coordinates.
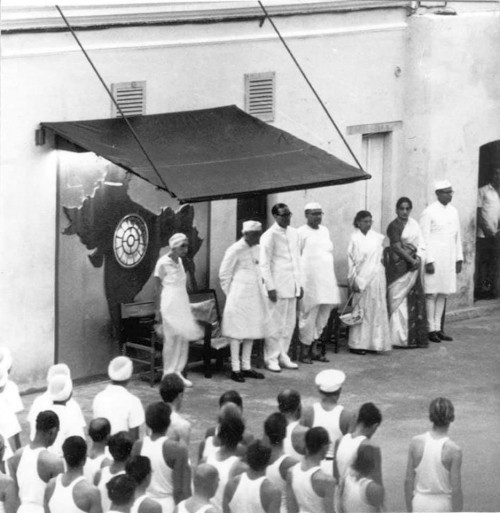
(246, 314)
(321, 292)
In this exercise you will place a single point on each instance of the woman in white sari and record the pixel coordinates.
(367, 281)
(405, 294)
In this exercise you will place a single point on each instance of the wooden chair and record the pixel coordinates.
(138, 339)
(213, 345)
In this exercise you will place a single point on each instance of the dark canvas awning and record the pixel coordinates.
(208, 154)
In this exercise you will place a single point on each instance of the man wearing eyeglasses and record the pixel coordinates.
(443, 260)
(279, 262)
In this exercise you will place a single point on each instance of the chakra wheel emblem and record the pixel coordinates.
(130, 240)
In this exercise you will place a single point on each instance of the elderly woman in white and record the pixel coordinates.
(178, 323)
(367, 281)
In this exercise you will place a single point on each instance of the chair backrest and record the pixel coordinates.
(141, 309)
(205, 295)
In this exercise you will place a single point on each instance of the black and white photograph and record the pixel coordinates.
(251, 256)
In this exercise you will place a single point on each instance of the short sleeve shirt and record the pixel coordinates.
(123, 409)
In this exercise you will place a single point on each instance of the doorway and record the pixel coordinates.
(487, 268)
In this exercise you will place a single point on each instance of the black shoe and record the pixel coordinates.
(252, 374)
(320, 358)
(443, 336)
(357, 351)
(305, 359)
(238, 377)
(434, 337)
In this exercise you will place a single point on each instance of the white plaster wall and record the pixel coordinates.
(451, 109)
(350, 57)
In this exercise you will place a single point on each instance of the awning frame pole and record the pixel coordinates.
(130, 127)
(310, 85)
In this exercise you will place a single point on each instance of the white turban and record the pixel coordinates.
(442, 184)
(251, 226)
(60, 387)
(120, 368)
(6, 357)
(176, 240)
(59, 369)
(330, 380)
(313, 205)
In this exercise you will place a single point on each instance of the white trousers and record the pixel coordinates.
(283, 316)
(434, 304)
(246, 354)
(175, 353)
(311, 325)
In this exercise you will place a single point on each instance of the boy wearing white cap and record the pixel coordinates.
(280, 268)
(328, 413)
(321, 292)
(173, 308)
(115, 403)
(246, 314)
(443, 258)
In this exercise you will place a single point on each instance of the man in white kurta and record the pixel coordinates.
(280, 268)
(443, 260)
(321, 292)
(246, 314)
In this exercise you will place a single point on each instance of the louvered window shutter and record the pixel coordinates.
(259, 95)
(131, 97)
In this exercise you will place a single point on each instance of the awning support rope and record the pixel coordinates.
(131, 128)
(310, 85)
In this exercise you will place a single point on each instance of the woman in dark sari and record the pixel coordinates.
(405, 294)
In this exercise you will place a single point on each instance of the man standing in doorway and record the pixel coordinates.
(321, 292)
(488, 237)
(441, 230)
(279, 263)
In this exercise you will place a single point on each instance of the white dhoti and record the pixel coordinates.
(312, 323)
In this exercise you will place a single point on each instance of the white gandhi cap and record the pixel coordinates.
(313, 205)
(330, 380)
(251, 226)
(442, 184)
(120, 368)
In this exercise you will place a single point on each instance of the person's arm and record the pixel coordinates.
(270, 497)
(324, 486)
(157, 297)
(352, 260)
(136, 448)
(226, 269)
(17, 441)
(49, 490)
(201, 448)
(375, 494)
(377, 471)
(11, 499)
(291, 501)
(265, 259)
(335, 466)
(94, 501)
(134, 433)
(347, 421)
(410, 479)
(307, 417)
(227, 497)
(457, 500)
(425, 227)
(97, 477)
(458, 245)
(177, 460)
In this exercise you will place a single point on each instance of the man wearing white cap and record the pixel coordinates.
(172, 301)
(321, 292)
(71, 419)
(10, 390)
(44, 401)
(280, 268)
(9, 424)
(115, 403)
(443, 259)
(328, 413)
(246, 314)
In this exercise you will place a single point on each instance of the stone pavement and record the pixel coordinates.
(402, 384)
